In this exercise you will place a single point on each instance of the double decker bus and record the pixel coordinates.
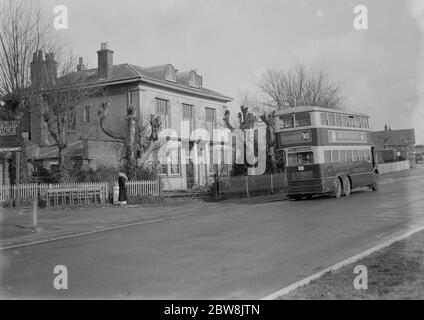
(326, 151)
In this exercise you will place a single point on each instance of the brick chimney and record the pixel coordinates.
(81, 66)
(105, 61)
(43, 72)
(51, 67)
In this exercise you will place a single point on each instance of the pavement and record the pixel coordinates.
(16, 229)
(243, 249)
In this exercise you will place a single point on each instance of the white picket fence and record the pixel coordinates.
(146, 187)
(31, 191)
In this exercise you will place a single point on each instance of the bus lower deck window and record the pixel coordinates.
(355, 155)
(327, 156)
(342, 155)
(302, 158)
(349, 156)
(335, 156)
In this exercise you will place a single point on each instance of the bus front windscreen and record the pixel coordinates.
(300, 159)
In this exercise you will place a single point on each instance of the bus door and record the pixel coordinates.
(373, 157)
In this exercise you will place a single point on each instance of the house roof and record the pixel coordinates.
(156, 75)
(383, 139)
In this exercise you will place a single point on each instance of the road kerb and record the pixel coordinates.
(341, 264)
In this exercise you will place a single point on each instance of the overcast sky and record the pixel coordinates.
(230, 42)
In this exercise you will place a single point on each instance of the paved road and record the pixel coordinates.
(247, 251)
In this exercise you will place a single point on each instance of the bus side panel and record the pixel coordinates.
(359, 172)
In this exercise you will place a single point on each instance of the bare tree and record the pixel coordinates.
(22, 32)
(57, 99)
(140, 140)
(265, 112)
(247, 120)
(300, 87)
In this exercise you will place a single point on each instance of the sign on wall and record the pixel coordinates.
(10, 135)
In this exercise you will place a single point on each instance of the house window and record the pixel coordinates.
(171, 74)
(175, 155)
(87, 115)
(193, 80)
(163, 169)
(188, 115)
(162, 110)
(210, 121)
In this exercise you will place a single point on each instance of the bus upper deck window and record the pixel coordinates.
(351, 121)
(324, 118)
(331, 119)
(303, 119)
(287, 121)
(357, 122)
(338, 120)
(345, 121)
(364, 122)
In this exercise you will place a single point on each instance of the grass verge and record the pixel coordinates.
(396, 272)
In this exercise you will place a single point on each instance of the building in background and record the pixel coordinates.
(394, 145)
(176, 96)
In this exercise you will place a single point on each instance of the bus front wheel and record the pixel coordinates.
(338, 189)
(347, 187)
(375, 182)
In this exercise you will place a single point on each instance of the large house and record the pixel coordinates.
(400, 142)
(176, 96)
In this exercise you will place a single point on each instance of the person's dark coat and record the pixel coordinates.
(122, 189)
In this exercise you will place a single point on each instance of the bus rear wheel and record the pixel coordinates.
(338, 189)
(347, 187)
(375, 182)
